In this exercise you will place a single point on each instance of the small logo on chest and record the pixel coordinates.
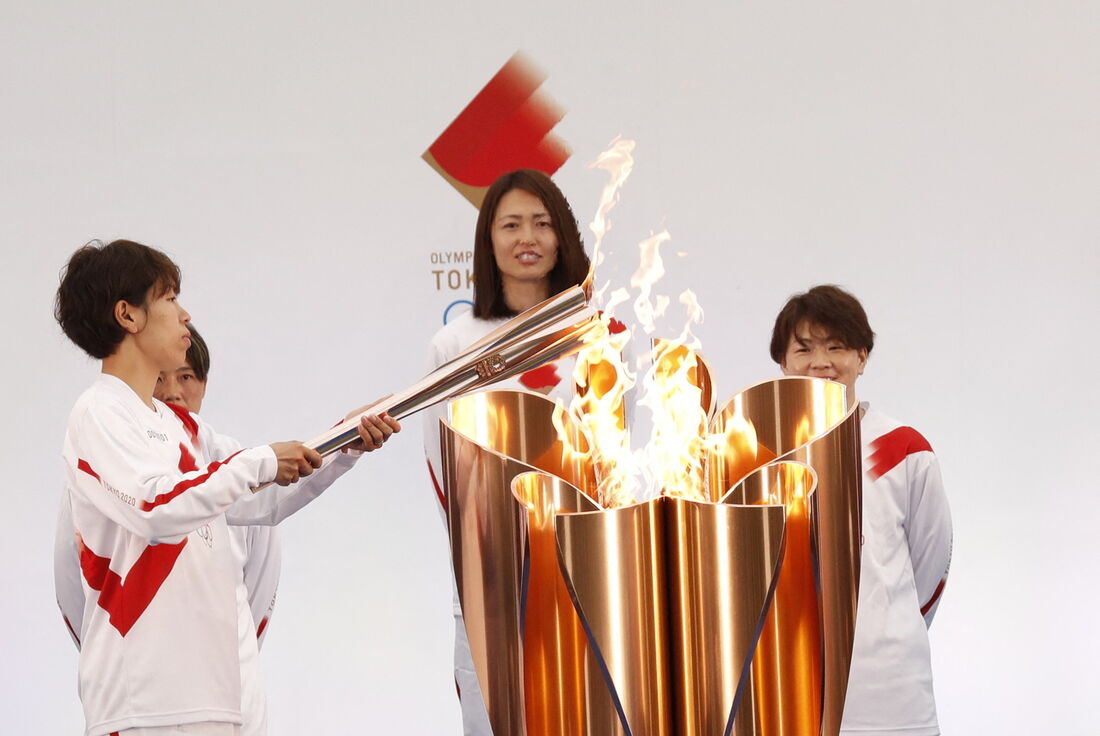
(206, 534)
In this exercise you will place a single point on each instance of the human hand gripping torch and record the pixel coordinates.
(544, 333)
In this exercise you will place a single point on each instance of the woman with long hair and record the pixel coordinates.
(527, 248)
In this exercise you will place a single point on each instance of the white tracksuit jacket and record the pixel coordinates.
(165, 623)
(904, 565)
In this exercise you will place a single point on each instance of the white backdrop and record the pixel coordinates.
(941, 159)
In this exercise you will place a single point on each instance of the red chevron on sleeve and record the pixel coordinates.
(125, 600)
(893, 447)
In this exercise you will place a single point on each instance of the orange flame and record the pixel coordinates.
(602, 379)
(672, 461)
(677, 447)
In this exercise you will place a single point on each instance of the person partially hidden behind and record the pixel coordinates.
(150, 489)
(906, 524)
(256, 549)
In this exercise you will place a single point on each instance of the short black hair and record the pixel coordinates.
(198, 355)
(96, 278)
(829, 306)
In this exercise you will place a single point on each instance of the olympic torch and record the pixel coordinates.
(544, 333)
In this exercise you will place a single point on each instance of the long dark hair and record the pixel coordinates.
(572, 265)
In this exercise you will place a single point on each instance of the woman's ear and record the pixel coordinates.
(129, 317)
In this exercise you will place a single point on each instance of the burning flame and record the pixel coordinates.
(618, 161)
(602, 381)
(674, 459)
(649, 273)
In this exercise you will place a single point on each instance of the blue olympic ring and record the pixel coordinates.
(447, 311)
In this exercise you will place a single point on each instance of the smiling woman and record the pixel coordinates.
(527, 247)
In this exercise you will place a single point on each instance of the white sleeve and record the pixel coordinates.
(66, 571)
(929, 531)
(271, 505)
(263, 552)
(263, 561)
(112, 465)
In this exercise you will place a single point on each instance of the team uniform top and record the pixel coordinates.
(904, 564)
(150, 492)
(257, 549)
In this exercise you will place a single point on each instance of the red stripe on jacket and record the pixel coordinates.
(186, 485)
(83, 465)
(893, 447)
(189, 422)
(438, 490)
(935, 597)
(72, 631)
(125, 600)
(187, 462)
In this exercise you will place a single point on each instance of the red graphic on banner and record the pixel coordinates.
(506, 126)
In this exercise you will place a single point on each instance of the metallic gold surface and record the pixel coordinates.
(723, 560)
(807, 420)
(784, 695)
(492, 438)
(711, 567)
(614, 565)
(670, 616)
(564, 690)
